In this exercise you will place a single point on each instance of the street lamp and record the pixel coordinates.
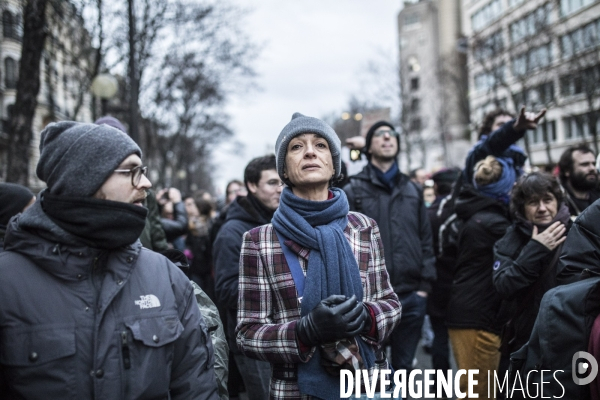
(105, 87)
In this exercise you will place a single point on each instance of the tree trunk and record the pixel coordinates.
(20, 125)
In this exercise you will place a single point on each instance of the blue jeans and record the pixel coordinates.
(405, 338)
(256, 375)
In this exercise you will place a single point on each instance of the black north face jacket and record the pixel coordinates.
(79, 323)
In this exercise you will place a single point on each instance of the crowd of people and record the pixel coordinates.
(110, 288)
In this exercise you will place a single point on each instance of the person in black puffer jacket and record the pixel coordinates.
(527, 256)
(474, 305)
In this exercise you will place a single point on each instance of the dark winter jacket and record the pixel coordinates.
(581, 250)
(497, 144)
(241, 217)
(2, 233)
(405, 230)
(474, 303)
(437, 302)
(575, 205)
(178, 225)
(153, 235)
(519, 263)
(79, 323)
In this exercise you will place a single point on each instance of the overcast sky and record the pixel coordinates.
(314, 52)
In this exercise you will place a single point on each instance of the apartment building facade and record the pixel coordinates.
(64, 76)
(541, 54)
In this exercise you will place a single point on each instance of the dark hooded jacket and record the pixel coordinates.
(581, 250)
(474, 303)
(405, 229)
(520, 262)
(242, 216)
(80, 323)
(437, 302)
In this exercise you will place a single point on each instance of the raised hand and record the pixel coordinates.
(528, 120)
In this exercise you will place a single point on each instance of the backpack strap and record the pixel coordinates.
(294, 265)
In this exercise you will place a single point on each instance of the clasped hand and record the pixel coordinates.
(334, 318)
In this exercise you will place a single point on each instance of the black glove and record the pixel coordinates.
(368, 320)
(333, 319)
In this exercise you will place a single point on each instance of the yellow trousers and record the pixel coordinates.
(476, 349)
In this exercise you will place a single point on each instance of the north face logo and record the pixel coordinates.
(148, 301)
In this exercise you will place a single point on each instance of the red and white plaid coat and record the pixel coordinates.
(268, 305)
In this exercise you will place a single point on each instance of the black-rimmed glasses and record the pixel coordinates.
(136, 173)
(390, 132)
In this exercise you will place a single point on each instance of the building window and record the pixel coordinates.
(10, 26)
(531, 23)
(545, 131)
(415, 124)
(411, 21)
(10, 73)
(490, 79)
(570, 6)
(537, 57)
(486, 14)
(576, 127)
(415, 106)
(414, 84)
(583, 38)
(489, 47)
(577, 82)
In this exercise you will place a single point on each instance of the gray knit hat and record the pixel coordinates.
(76, 158)
(302, 124)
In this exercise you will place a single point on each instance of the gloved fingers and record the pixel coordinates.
(345, 307)
(355, 327)
(355, 312)
(334, 300)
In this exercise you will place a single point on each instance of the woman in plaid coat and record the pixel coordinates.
(314, 294)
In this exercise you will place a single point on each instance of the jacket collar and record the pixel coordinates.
(35, 236)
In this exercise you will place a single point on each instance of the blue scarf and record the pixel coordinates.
(500, 190)
(388, 178)
(332, 269)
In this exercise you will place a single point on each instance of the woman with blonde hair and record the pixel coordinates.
(474, 304)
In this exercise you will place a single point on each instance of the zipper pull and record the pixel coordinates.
(125, 350)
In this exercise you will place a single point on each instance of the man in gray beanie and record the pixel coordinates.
(85, 311)
(385, 194)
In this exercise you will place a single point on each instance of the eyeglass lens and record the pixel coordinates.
(383, 132)
(137, 175)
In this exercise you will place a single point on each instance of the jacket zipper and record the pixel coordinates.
(125, 350)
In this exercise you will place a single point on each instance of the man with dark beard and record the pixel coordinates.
(579, 177)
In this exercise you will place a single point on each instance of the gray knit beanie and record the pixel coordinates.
(76, 158)
(302, 124)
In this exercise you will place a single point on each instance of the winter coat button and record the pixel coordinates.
(33, 357)
(99, 373)
(79, 276)
(155, 339)
(129, 259)
(119, 282)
